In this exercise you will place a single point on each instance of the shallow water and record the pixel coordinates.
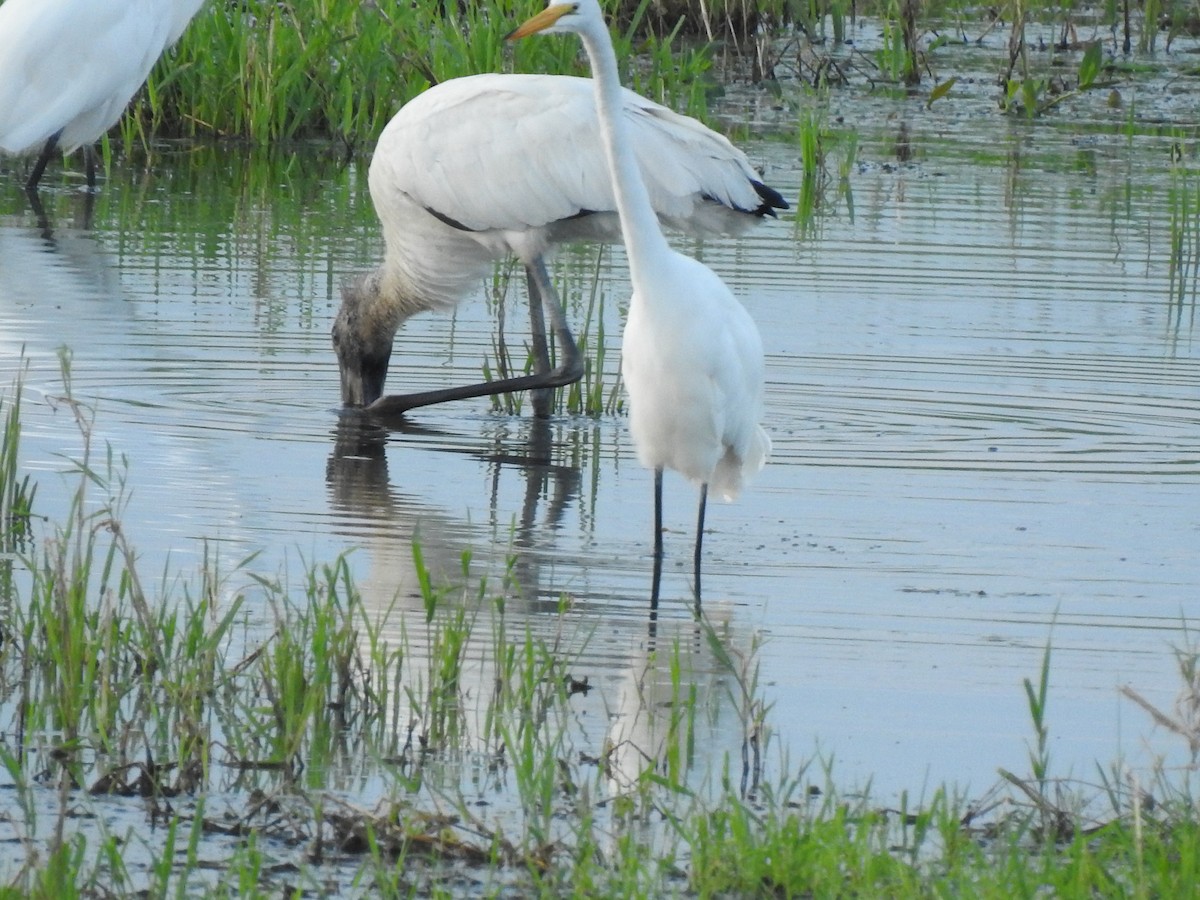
(983, 397)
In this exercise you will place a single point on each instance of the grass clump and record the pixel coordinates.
(774, 852)
(1184, 235)
(16, 493)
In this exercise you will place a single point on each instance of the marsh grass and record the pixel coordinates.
(828, 157)
(580, 287)
(272, 72)
(505, 291)
(599, 391)
(235, 718)
(1184, 259)
(17, 493)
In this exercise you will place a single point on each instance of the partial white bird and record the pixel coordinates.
(691, 356)
(479, 168)
(68, 69)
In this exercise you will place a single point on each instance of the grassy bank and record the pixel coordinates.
(230, 733)
(268, 72)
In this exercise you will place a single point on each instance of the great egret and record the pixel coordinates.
(691, 356)
(479, 168)
(68, 68)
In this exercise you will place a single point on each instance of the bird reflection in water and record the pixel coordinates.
(631, 710)
(389, 521)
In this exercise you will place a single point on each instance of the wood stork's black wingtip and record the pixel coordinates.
(771, 200)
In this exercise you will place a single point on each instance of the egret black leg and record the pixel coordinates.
(39, 167)
(699, 539)
(656, 578)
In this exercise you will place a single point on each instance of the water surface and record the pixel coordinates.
(982, 392)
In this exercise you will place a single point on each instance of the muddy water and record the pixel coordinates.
(984, 399)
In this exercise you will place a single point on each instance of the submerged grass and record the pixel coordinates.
(242, 716)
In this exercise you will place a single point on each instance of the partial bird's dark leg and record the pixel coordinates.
(539, 396)
(656, 578)
(570, 359)
(699, 540)
(31, 184)
(568, 370)
(39, 212)
(89, 165)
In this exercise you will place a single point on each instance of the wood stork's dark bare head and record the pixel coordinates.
(363, 343)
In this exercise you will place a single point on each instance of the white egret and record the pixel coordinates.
(68, 69)
(479, 168)
(691, 356)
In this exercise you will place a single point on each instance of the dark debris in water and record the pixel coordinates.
(148, 780)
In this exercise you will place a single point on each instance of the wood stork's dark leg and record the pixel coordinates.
(39, 212)
(656, 578)
(541, 397)
(31, 184)
(568, 370)
(699, 540)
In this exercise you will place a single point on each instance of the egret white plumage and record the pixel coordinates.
(691, 356)
(480, 168)
(68, 69)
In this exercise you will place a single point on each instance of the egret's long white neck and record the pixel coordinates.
(639, 223)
